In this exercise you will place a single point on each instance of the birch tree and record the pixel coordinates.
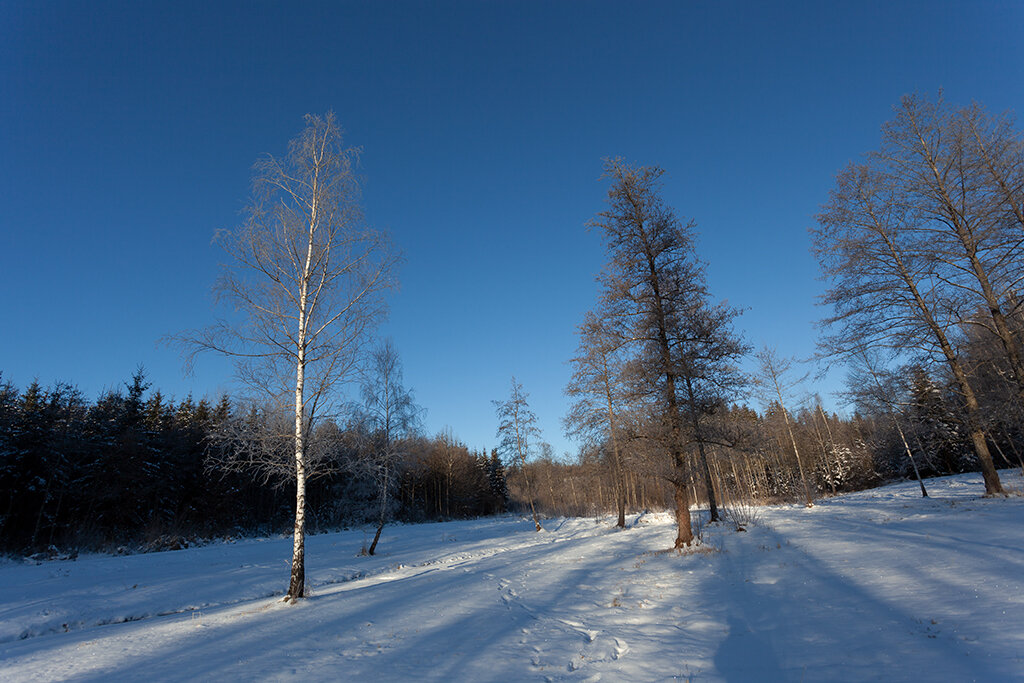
(389, 414)
(599, 397)
(306, 280)
(517, 426)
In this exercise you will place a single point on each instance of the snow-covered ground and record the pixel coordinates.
(878, 585)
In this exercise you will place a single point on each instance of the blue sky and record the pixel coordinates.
(127, 133)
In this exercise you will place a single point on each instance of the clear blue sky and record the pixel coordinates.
(127, 132)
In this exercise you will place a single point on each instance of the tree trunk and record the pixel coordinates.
(824, 453)
(917, 473)
(739, 486)
(695, 423)
(620, 483)
(831, 439)
(680, 476)
(721, 484)
(376, 537)
(383, 510)
(297, 586)
(684, 529)
(621, 521)
(799, 461)
(708, 482)
(992, 484)
(993, 487)
(633, 500)
(988, 469)
(529, 495)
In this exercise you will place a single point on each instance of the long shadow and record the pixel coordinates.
(407, 625)
(937, 535)
(780, 627)
(216, 650)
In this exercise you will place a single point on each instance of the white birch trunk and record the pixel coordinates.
(297, 585)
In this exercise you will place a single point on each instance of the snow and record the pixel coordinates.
(877, 585)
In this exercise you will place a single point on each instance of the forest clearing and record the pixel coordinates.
(878, 584)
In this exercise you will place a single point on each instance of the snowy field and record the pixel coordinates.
(878, 585)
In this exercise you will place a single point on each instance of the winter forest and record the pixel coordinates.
(921, 244)
(681, 416)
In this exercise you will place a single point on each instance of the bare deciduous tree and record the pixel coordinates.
(306, 280)
(517, 425)
(954, 169)
(389, 414)
(998, 148)
(884, 289)
(597, 389)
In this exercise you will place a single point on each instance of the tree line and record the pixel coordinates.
(136, 470)
(753, 460)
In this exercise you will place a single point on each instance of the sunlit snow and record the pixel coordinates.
(877, 585)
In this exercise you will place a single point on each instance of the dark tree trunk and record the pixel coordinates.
(993, 487)
(385, 484)
(709, 484)
(695, 423)
(376, 537)
(621, 493)
(684, 533)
